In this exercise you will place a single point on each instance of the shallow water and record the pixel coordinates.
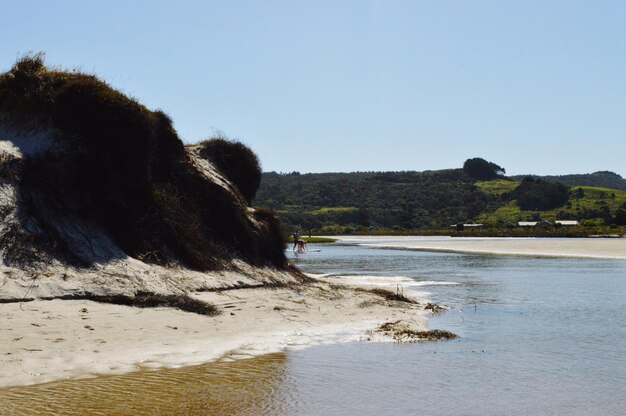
(539, 336)
(242, 387)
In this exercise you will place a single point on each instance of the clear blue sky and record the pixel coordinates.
(319, 86)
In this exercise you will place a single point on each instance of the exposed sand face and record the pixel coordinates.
(601, 248)
(42, 341)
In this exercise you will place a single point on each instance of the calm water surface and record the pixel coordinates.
(538, 336)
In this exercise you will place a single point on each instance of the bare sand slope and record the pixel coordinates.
(601, 248)
(43, 340)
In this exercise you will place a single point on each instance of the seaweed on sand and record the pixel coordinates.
(402, 332)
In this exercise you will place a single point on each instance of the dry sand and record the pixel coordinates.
(600, 248)
(42, 341)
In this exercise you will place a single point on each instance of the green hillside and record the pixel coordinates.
(371, 202)
(496, 187)
(400, 200)
(603, 179)
(588, 204)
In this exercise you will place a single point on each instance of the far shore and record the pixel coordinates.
(591, 248)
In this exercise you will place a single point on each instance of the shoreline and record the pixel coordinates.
(583, 248)
(49, 340)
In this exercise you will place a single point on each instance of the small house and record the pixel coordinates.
(527, 223)
(468, 225)
(568, 223)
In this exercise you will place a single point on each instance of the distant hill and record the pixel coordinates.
(383, 199)
(602, 179)
(368, 201)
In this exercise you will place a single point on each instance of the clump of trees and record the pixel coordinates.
(538, 195)
(481, 169)
(620, 216)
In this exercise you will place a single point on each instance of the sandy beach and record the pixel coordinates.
(46, 340)
(599, 248)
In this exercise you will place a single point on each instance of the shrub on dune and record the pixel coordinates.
(237, 162)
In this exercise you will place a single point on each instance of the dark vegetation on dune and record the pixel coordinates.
(123, 169)
(238, 163)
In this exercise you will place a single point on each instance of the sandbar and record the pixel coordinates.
(592, 248)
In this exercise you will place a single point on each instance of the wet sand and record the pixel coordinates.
(600, 248)
(42, 341)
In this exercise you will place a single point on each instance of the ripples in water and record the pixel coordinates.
(243, 387)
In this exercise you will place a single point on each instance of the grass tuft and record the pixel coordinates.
(388, 294)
